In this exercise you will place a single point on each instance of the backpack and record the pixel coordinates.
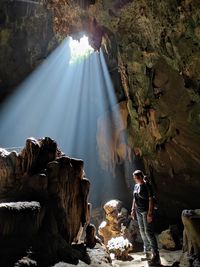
(147, 181)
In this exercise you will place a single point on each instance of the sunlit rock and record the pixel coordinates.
(110, 227)
(120, 247)
(118, 223)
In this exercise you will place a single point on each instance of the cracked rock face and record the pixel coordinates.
(152, 52)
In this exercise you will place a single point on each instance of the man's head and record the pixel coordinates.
(138, 176)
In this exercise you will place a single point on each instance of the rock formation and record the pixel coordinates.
(118, 223)
(191, 238)
(166, 240)
(43, 205)
(120, 247)
(110, 227)
(26, 38)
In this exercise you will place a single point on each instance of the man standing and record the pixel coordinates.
(142, 208)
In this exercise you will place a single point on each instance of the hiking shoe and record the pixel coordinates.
(147, 256)
(155, 261)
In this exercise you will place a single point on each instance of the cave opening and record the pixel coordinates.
(79, 49)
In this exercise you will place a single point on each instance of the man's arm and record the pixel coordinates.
(150, 210)
(133, 209)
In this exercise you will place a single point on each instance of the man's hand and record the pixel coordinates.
(133, 215)
(149, 217)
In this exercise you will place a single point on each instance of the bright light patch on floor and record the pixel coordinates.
(79, 49)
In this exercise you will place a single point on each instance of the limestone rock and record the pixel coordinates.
(166, 240)
(117, 223)
(27, 24)
(99, 257)
(191, 237)
(43, 206)
(110, 227)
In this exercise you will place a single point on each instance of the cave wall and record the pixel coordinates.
(152, 51)
(158, 56)
(158, 61)
(26, 38)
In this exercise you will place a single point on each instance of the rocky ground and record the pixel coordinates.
(167, 259)
(99, 259)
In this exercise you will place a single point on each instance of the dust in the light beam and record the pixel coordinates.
(79, 49)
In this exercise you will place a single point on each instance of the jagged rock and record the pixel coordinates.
(99, 257)
(91, 239)
(110, 227)
(166, 240)
(191, 238)
(117, 223)
(43, 205)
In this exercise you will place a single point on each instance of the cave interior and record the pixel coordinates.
(73, 129)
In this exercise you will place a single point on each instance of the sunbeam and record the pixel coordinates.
(64, 101)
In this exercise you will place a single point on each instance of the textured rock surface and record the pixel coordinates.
(117, 224)
(43, 206)
(99, 257)
(191, 238)
(26, 38)
(110, 227)
(166, 240)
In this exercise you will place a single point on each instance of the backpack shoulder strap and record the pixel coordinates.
(149, 188)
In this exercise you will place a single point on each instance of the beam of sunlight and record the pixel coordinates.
(64, 101)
